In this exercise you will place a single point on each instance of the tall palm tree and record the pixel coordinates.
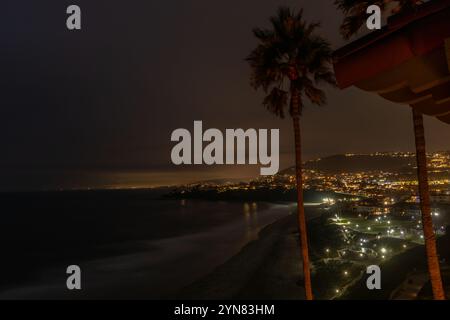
(355, 12)
(427, 222)
(288, 64)
(356, 16)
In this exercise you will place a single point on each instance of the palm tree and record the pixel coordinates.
(424, 194)
(288, 64)
(355, 12)
(356, 16)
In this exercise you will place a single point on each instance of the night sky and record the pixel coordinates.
(96, 107)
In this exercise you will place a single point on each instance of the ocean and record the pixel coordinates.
(127, 243)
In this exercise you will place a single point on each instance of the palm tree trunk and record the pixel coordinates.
(295, 113)
(425, 207)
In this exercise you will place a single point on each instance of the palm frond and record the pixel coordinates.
(290, 52)
(315, 95)
(276, 101)
(352, 24)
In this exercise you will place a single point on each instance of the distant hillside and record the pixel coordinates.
(355, 163)
(221, 181)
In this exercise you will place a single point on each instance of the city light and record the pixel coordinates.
(227, 214)
(377, 206)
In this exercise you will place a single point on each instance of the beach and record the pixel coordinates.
(266, 268)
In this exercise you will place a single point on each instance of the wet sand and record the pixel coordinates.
(267, 268)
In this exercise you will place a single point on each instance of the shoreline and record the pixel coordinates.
(266, 268)
(270, 268)
(240, 276)
(149, 267)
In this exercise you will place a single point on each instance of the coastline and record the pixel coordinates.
(252, 272)
(266, 268)
(161, 247)
(269, 268)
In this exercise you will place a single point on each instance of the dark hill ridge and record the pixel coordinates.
(356, 163)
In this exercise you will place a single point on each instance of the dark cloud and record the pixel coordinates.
(107, 97)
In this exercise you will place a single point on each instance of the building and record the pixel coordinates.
(441, 198)
(407, 62)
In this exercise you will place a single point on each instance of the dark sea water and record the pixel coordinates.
(128, 244)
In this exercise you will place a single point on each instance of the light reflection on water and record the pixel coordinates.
(250, 211)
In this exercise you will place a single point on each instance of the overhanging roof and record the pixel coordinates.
(407, 62)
